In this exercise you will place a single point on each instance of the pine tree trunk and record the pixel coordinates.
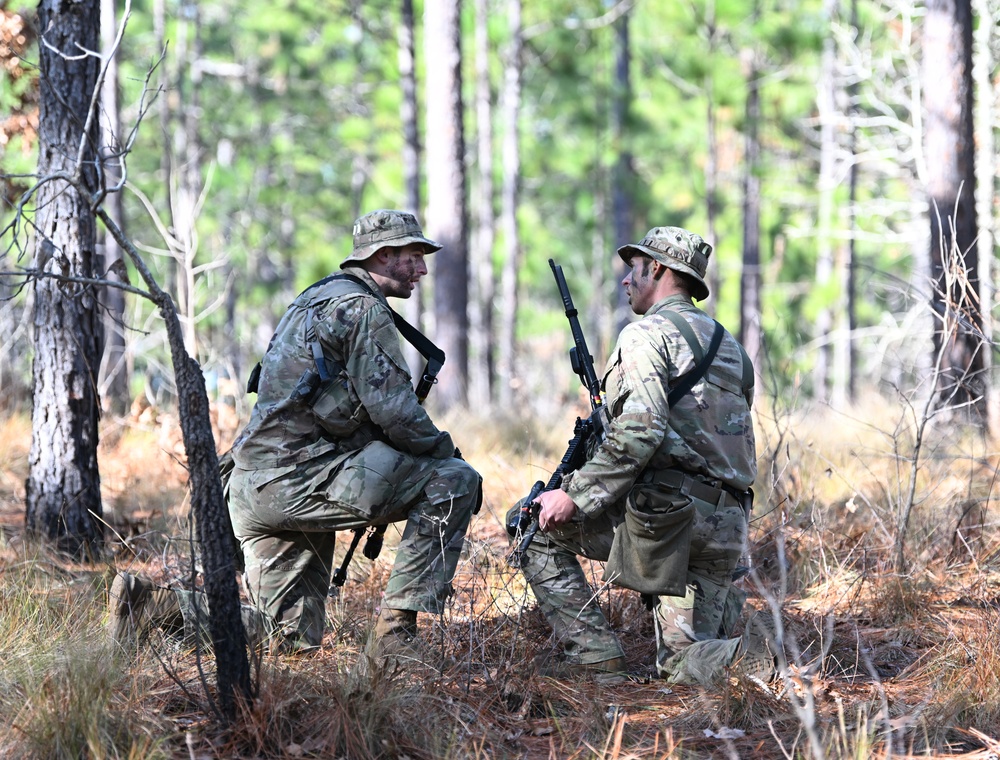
(750, 328)
(63, 490)
(114, 366)
(483, 286)
(412, 307)
(622, 176)
(948, 138)
(208, 506)
(511, 168)
(446, 205)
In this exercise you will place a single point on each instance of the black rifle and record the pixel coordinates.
(523, 526)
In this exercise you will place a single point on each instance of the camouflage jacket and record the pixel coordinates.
(709, 433)
(370, 394)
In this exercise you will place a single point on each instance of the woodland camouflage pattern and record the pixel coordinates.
(708, 435)
(360, 451)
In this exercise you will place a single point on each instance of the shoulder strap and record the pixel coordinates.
(434, 356)
(748, 378)
(704, 359)
(685, 329)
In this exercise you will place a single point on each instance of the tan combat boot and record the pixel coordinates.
(396, 631)
(557, 666)
(137, 606)
(757, 656)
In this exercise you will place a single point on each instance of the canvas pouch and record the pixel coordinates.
(652, 545)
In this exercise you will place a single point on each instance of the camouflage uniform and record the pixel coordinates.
(359, 450)
(699, 446)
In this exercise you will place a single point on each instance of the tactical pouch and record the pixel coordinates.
(651, 547)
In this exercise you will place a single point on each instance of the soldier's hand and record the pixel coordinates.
(556, 509)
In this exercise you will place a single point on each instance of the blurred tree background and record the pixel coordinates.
(790, 134)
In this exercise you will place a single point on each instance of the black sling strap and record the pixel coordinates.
(688, 380)
(433, 355)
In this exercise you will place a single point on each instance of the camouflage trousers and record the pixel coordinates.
(286, 521)
(690, 630)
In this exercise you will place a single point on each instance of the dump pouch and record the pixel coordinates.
(651, 547)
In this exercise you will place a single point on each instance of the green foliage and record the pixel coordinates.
(298, 124)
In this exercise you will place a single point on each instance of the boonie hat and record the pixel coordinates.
(385, 227)
(678, 249)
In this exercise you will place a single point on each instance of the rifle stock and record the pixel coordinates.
(524, 525)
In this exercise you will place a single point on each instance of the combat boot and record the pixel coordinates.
(396, 630)
(136, 606)
(612, 670)
(757, 655)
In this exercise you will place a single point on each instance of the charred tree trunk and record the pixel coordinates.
(63, 490)
(215, 534)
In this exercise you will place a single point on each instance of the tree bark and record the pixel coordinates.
(984, 63)
(114, 380)
(447, 216)
(949, 148)
(511, 168)
(215, 533)
(63, 491)
(824, 224)
(750, 334)
(412, 308)
(187, 150)
(622, 176)
(483, 285)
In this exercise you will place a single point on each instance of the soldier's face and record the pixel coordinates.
(404, 268)
(640, 284)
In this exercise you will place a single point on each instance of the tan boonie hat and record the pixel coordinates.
(386, 228)
(678, 249)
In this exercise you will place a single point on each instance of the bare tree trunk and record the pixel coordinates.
(848, 361)
(187, 149)
(949, 140)
(446, 208)
(483, 285)
(711, 161)
(63, 491)
(215, 533)
(166, 84)
(983, 65)
(511, 161)
(824, 223)
(622, 176)
(412, 308)
(114, 378)
(750, 334)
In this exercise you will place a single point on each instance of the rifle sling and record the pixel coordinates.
(433, 355)
(704, 359)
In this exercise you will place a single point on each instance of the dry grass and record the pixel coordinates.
(881, 662)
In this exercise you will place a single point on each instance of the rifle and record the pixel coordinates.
(523, 526)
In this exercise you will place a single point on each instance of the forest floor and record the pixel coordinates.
(881, 663)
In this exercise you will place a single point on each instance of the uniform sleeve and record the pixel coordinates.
(377, 370)
(639, 412)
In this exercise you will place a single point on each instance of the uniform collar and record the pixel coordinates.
(362, 274)
(665, 303)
